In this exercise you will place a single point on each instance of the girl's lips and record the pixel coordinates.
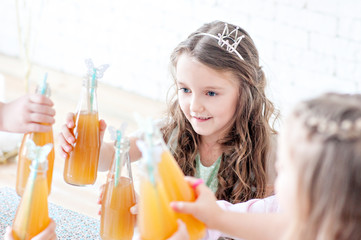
(201, 119)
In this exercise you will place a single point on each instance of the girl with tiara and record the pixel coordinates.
(318, 183)
(218, 121)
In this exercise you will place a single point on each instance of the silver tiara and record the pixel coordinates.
(223, 39)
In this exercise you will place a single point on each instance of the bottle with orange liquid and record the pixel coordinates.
(116, 221)
(178, 189)
(81, 166)
(40, 139)
(173, 182)
(156, 219)
(32, 214)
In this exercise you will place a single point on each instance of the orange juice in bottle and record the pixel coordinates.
(40, 139)
(172, 181)
(32, 214)
(81, 165)
(178, 189)
(156, 219)
(117, 222)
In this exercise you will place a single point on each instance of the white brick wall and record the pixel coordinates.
(306, 46)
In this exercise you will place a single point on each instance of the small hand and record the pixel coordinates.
(29, 113)
(204, 208)
(67, 139)
(181, 233)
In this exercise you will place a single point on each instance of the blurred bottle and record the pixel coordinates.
(116, 220)
(32, 214)
(163, 183)
(156, 220)
(40, 139)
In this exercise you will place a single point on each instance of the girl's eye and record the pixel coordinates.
(185, 90)
(211, 93)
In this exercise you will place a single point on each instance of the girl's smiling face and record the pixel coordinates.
(207, 97)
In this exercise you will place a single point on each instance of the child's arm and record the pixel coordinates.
(236, 224)
(107, 153)
(271, 166)
(27, 114)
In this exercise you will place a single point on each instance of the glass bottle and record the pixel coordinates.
(32, 214)
(116, 221)
(175, 187)
(156, 219)
(81, 165)
(178, 189)
(40, 139)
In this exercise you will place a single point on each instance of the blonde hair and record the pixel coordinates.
(241, 175)
(326, 153)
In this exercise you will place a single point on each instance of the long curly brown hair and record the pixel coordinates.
(325, 151)
(245, 148)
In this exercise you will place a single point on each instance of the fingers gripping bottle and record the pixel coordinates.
(32, 214)
(116, 221)
(40, 139)
(175, 186)
(81, 165)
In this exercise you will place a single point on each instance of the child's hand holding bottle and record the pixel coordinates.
(67, 138)
(204, 208)
(27, 114)
(181, 233)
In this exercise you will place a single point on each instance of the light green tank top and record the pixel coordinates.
(208, 174)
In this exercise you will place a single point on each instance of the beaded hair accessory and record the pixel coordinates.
(345, 130)
(223, 39)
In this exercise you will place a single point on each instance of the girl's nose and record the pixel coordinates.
(196, 104)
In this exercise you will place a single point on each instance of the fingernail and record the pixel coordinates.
(196, 183)
(133, 210)
(176, 205)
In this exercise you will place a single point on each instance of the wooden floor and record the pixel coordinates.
(115, 106)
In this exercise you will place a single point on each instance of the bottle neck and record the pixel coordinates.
(88, 101)
(43, 90)
(121, 162)
(39, 169)
(88, 82)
